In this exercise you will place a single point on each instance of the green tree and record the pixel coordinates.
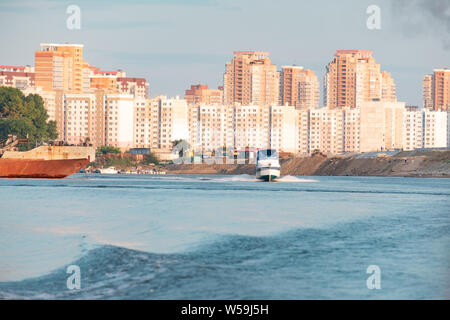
(107, 149)
(24, 117)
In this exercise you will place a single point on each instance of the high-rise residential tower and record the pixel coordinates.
(427, 91)
(60, 67)
(353, 77)
(299, 87)
(251, 78)
(436, 90)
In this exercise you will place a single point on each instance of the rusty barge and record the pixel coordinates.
(53, 161)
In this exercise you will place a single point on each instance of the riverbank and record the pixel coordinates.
(403, 164)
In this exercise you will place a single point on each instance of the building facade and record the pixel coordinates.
(251, 78)
(299, 87)
(60, 67)
(202, 94)
(353, 77)
(436, 90)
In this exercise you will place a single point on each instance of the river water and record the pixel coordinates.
(224, 237)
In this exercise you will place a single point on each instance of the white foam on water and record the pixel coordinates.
(294, 179)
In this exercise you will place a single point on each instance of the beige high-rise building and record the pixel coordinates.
(326, 130)
(442, 89)
(146, 123)
(381, 126)
(60, 67)
(200, 93)
(79, 110)
(283, 128)
(159, 122)
(299, 87)
(352, 129)
(388, 88)
(251, 126)
(353, 77)
(251, 78)
(427, 92)
(302, 132)
(215, 124)
(436, 90)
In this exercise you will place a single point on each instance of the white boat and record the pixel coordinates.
(267, 165)
(109, 170)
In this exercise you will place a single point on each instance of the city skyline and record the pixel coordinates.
(88, 77)
(151, 39)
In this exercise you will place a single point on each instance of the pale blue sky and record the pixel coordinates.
(175, 43)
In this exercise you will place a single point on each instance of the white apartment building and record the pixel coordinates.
(79, 117)
(158, 122)
(119, 120)
(173, 123)
(435, 129)
(251, 126)
(413, 130)
(283, 120)
(326, 130)
(215, 124)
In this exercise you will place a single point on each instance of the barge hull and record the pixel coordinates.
(39, 168)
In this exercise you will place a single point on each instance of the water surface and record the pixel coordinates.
(224, 237)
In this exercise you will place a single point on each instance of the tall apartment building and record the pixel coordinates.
(61, 67)
(435, 129)
(251, 78)
(388, 88)
(283, 121)
(119, 120)
(299, 87)
(146, 123)
(80, 119)
(436, 90)
(302, 131)
(251, 126)
(381, 126)
(194, 126)
(159, 122)
(427, 92)
(426, 129)
(99, 117)
(353, 77)
(413, 129)
(215, 126)
(326, 130)
(215, 123)
(202, 94)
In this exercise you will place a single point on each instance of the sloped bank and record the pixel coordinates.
(407, 164)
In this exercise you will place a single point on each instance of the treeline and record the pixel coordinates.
(24, 117)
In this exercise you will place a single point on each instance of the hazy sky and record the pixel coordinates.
(175, 43)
